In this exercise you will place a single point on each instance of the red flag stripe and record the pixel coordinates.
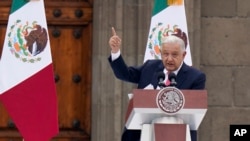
(32, 105)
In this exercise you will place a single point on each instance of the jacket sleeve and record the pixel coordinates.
(123, 72)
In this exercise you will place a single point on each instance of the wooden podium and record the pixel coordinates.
(143, 110)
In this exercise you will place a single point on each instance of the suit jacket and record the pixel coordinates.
(187, 78)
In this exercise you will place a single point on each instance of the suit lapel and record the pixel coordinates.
(154, 81)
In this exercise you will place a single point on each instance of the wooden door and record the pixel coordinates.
(70, 32)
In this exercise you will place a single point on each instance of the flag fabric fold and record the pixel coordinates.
(168, 18)
(27, 87)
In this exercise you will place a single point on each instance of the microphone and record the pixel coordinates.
(172, 79)
(161, 78)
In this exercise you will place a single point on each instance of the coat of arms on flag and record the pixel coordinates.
(26, 40)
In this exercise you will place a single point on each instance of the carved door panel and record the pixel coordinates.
(70, 32)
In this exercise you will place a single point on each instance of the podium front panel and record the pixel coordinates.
(142, 108)
(171, 132)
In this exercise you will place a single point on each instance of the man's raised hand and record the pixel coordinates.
(114, 42)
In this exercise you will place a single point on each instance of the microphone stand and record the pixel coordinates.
(161, 85)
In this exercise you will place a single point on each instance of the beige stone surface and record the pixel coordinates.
(241, 87)
(225, 41)
(243, 9)
(219, 8)
(219, 85)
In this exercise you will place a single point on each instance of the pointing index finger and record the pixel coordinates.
(113, 31)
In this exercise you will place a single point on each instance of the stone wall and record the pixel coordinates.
(226, 61)
(219, 35)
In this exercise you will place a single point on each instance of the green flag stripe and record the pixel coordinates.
(16, 4)
(159, 5)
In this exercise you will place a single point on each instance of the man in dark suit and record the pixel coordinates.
(172, 53)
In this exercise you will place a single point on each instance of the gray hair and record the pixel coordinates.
(173, 39)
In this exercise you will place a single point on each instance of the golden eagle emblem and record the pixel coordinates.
(27, 40)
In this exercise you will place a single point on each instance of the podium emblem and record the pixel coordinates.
(170, 100)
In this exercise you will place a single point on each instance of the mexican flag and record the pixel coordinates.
(27, 87)
(168, 17)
